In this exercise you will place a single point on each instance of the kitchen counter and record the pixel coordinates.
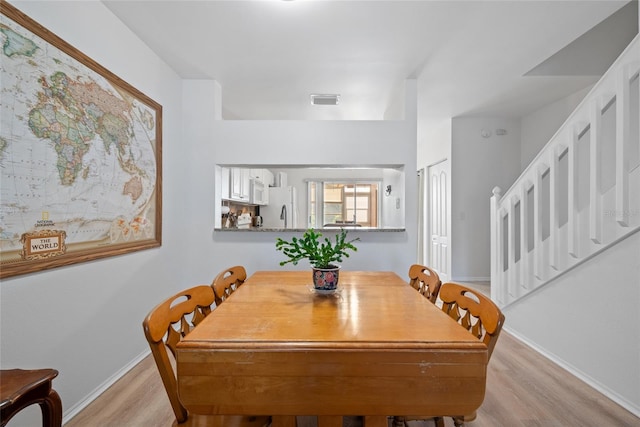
(302, 230)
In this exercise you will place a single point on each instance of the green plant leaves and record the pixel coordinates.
(320, 254)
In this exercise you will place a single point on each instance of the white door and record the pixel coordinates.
(423, 209)
(439, 219)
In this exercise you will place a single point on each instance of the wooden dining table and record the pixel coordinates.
(374, 348)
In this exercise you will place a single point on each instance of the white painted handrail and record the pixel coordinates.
(580, 195)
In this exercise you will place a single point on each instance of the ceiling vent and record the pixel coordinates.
(325, 99)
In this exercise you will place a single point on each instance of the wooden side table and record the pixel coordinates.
(20, 388)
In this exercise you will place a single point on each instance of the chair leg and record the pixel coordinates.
(398, 422)
(458, 421)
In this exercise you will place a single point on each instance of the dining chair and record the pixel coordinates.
(478, 315)
(164, 327)
(228, 281)
(425, 280)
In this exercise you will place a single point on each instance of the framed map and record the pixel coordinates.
(80, 155)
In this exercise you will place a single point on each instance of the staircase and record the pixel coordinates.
(579, 196)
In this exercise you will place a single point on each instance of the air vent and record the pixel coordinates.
(325, 99)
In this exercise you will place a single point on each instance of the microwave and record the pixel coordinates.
(259, 192)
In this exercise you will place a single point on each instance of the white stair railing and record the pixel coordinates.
(580, 195)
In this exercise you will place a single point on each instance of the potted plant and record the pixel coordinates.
(322, 255)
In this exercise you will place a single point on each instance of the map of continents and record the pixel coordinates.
(76, 152)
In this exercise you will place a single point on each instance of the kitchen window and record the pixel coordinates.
(340, 203)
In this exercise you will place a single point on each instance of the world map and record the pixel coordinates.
(77, 153)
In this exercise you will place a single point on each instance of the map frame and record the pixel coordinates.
(78, 252)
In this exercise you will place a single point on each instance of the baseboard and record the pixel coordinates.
(471, 279)
(75, 409)
(629, 406)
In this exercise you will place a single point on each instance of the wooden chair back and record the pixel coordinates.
(228, 281)
(425, 280)
(474, 311)
(166, 325)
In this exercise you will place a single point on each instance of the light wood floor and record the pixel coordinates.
(523, 389)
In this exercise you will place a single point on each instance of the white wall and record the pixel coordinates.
(588, 321)
(85, 320)
(478, 164)
(434, 141)
(276, 142)
(393, 205)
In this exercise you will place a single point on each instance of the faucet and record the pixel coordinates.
(283, 215)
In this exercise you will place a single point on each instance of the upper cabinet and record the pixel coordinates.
(246, 185)
(224, 184)
(262, 175)
(240, 184)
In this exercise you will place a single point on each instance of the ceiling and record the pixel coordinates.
(504, 58)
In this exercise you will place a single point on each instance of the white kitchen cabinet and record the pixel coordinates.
(224, 184)
(259, 192)
(268, 178)
(257, 174)
(240, 188)
(263, 175)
